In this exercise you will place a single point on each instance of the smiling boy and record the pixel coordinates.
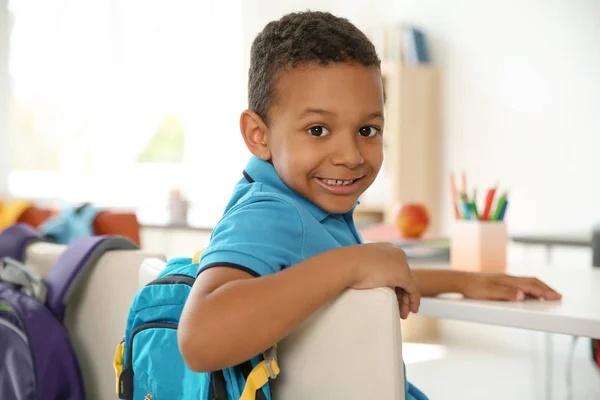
(287, 243)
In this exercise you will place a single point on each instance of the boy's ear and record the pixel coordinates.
(254, 131)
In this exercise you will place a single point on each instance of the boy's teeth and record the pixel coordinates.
(337, 182)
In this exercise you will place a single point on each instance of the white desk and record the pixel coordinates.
(577, 314)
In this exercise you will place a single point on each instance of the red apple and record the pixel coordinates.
(412, 220)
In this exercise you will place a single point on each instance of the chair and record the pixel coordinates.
(349, 349)
(35, 216)
(118, 223)
(106, 222)
(97, 312)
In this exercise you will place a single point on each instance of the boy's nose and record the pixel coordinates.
(347, 153)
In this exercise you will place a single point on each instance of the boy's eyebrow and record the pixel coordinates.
(320, 111)
(376, 114)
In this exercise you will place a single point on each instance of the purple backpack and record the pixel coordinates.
(37, 361)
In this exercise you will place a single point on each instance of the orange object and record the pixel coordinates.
(35, 216)
(454, 196)
(106, 222)
(412, 220)
(489, 198)
(479, 246)
(114, 223)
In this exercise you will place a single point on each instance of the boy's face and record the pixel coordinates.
(325, 132)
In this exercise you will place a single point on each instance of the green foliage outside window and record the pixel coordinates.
(166, 145)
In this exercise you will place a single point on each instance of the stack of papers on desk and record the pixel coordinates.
(426, 249)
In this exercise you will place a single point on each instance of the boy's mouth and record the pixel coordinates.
(338, 182)
(340, 187)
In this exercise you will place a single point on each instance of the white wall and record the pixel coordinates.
(4, 97)
(522, 79)
(521, 95)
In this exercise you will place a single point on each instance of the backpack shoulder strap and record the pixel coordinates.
(258, 376)
(15, 239)
(197, 255)
(79, 257)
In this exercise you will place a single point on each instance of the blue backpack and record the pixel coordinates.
(37, 360)
(148, 363)
(71, 224)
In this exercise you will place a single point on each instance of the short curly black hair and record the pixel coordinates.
(298, 39)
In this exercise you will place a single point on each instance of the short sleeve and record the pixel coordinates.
(261, 236)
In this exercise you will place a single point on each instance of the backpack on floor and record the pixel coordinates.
(70, 224)
(36, 356)
(148, 363)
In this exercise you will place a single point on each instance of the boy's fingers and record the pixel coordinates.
(414, 299)
(406, 303)
(414, 295)
(509, 293)
(537, 288)
(404, 311)
(552, 296)
(530, 288)
(403, 303)
(548, 292)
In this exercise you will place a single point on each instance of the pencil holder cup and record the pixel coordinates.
(479, 246)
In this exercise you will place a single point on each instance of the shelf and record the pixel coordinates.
(412, 138)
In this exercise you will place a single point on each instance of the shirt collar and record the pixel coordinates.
(262, 171)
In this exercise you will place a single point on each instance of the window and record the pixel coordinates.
(118, 102)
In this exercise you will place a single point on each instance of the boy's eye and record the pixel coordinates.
(318, 131)
(368, 131)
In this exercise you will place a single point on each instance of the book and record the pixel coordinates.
(415, 46)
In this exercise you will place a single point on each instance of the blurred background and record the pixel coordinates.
(133, 106)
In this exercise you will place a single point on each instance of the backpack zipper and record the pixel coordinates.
(173, 280)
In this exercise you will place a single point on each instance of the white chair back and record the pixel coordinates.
(97, 311)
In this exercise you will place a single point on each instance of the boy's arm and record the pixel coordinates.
(433, 282)
(476, 285)
(230, 316)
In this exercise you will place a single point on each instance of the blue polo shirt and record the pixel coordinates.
(267, 227)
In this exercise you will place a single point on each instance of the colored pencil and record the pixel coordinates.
(503, 212)
(454, 196)
(489, 198)
(467, 210)
(499, 205)
(466, 206)
(474, 212)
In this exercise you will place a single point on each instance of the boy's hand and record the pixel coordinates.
(385, 265)
(489, 286)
